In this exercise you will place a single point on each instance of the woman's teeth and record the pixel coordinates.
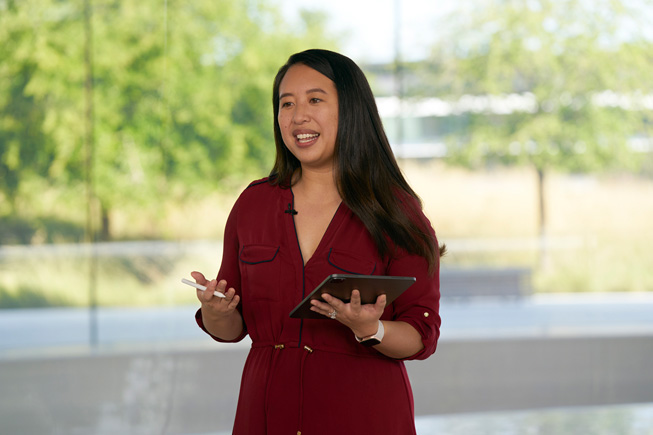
(306, 137)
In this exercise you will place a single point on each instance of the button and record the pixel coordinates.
(426, 314)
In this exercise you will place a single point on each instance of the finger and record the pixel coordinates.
(234, 302)
(229, 295)
(199, 277)
(207, 295)
(221, 286)
(355, 298)
(381, 302)
(321, 312)
(321, 306)
(204, 296)
(335, 303)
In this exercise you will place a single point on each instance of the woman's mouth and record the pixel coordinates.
(306, 138)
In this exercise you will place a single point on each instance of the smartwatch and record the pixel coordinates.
(374, 339)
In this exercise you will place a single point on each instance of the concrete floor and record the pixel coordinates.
(144, 374)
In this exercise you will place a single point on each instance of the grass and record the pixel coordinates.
(599, 227)
(599, 230)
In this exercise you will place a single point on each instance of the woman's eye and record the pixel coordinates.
(286, 104)
(315, 100)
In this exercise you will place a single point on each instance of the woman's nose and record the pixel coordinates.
(301, 114)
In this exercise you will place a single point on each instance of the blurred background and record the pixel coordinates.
(127, 130)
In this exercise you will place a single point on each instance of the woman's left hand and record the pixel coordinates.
(362, 319)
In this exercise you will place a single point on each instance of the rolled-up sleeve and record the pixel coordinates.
(419, 306)
(200, 323)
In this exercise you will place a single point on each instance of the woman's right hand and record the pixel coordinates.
(216, 307)
(219, 315)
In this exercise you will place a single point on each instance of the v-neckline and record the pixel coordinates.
(323, 238)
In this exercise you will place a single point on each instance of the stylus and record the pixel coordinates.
(200, 287)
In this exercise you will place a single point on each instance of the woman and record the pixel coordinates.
(335, 202)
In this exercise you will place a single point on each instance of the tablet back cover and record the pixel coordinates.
(341, 286)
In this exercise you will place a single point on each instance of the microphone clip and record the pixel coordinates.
(290, 210)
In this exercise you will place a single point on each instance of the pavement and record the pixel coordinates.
(43, 332)
(563, 364)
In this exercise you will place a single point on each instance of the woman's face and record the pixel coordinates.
(308, 116)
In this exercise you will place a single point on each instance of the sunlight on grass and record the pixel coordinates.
(599, 239)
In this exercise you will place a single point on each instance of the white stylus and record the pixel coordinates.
(201, 287)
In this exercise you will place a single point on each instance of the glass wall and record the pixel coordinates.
(127, 131)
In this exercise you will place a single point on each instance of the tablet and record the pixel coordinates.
(340, 286)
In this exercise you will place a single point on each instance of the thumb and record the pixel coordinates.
(199, 277)
(381, 302)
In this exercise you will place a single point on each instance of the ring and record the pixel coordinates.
(333, 314)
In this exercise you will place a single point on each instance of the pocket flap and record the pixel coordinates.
(350, 263)
(254, 254)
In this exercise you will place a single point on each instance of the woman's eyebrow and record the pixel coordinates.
(310, 91)
(320, 90)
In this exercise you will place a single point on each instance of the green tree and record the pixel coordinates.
(26, 151)
(568, 56)
(181, 94)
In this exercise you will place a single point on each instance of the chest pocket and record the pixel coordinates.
(260, 273)
(346, 262)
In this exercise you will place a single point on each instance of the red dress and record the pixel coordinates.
(312, 376)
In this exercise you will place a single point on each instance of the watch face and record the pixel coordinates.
(371, 342)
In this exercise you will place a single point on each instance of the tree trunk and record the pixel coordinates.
(542, 223)
(105, 234)
(541, 203)
(89, 145)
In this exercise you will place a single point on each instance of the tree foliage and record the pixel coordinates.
(568, 56)
(25, 149)
(181, 94)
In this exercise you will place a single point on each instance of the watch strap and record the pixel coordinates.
(374, 339)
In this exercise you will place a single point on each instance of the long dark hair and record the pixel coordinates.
(367, 175)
